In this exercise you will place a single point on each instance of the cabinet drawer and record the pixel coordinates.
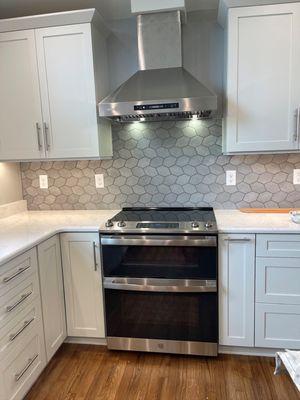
(277, 326)
(278, 280)
(20, 327)
(21, 367)
(284, 245)
(17, 298)
(17, 270)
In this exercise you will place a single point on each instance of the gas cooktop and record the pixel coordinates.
(163, 220)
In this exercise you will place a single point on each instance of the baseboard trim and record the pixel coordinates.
(86, 340)
(248, 351)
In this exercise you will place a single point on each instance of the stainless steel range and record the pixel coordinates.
(160, 280)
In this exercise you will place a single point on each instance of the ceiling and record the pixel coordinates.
(110, 9)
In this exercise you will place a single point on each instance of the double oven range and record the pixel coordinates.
(160, 280)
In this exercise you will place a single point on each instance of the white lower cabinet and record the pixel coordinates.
(52, 294)
(236, 289)
(83, 284)
(277, 325)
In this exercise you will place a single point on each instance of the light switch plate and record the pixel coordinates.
(230, 178)
(296, 177)
(99, 181)
(43, 181)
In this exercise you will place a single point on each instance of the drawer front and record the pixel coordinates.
(283, 245)
(20, 369)
(277, 326)
(12, 302)
(17, 270)
(278, 280)
(20, 327)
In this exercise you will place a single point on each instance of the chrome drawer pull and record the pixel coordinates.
(20, 271)
(29, 363)
(13, 336)
(23, 298)
(237, 240)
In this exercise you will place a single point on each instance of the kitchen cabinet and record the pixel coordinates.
(52, 294)
(262, 80)
(51, 81)
(83, 284)
(236, 289)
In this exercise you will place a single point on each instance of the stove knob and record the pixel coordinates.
(121, 224)
(195, 224)
(208, 225)
(109, 223)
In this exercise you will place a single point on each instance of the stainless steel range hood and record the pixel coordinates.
(162, 89)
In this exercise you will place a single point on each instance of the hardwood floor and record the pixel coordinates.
(81, 372)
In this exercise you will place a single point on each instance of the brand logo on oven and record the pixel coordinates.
(160, 345)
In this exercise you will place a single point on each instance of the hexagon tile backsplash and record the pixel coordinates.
(165, 164)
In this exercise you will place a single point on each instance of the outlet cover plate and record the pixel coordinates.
(43, 180)
(230, 178)
(99, 181)
(296, 177)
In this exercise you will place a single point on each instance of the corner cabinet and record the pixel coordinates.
(52, 295)
(236, 289)
(262, 79)
(51, 80)
(83, 284)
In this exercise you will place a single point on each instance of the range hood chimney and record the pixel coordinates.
(162, 89)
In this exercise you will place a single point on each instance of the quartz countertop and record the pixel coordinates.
(24, 230)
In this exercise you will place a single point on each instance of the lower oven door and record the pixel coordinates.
(173, 316)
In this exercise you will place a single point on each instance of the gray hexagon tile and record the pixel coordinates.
(165, 164)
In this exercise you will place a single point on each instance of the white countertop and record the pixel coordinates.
(24, 230)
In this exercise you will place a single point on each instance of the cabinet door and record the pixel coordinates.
(236, 289)
(20, 105)
(66, 71)
(83, 284)
(277, 326)
(263, 85)
(52, 293)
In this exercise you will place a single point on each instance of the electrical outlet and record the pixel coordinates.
(296, 177)
(99, 181)
(43, 181)
(230, 178)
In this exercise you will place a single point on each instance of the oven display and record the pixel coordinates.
(158, 225)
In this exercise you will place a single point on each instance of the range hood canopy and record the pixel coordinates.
(162, 89)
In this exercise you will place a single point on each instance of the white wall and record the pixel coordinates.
(10, 183)
(203, 50)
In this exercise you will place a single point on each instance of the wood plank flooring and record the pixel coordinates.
(82, 372)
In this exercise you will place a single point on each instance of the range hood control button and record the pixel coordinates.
(121, 224)
(195, 224)
(109, 223)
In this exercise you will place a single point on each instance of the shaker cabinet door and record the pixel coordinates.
(52, 294)
(83, 284)
(236, 289)
(263, 82)
(65, 61)
(20, 105)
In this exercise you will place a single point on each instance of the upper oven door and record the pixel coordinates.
(166, 257)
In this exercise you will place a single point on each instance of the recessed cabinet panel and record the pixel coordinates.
(236, 289)
(20, 105)
(68, 91)
(263, 87)
(283, 245)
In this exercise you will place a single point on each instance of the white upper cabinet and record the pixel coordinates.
(20, 106)
(262, 79)
(51, 80)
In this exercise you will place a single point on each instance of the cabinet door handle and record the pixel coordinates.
(13, 336)
(38, 132)
(296, 134)
(47, 138)
(16, 274)
(237, 240)
(22, 298)
(30, 361)
(95, 257)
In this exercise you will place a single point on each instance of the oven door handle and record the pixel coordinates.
(188, 241)
(160, 285)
